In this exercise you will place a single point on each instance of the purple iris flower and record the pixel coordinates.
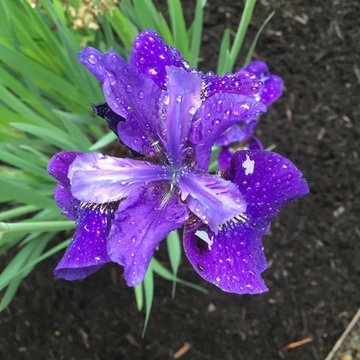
(171, 115)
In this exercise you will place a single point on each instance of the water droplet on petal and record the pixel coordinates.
(92, 59)
(142, 60)
(141, 95)
(128, 88)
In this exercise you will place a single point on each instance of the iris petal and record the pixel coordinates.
(87, 251)
(151, 56)
(233, 259)
(183, 92)
(100, 179)
(211, 198)
(215, 116)
(142, 221)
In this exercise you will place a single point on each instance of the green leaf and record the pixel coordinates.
(105, 140)
(241, 31)
(223, 55)
(178, 27)
(196, 33)
(174, 251)
(256, 38)
(149, 296)
(139, 296)
(166, 274)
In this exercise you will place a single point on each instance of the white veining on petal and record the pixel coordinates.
(248, 165)
(203, 235)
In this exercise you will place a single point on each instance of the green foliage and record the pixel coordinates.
(45, 97)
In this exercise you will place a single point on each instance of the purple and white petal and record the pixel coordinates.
(215, 116)
(87, 251)
(58, 166)
(141, 222)
(183, 98)
(151, 56)
(232, 260)
(267, 181)
(211, 198)
(64, 200)
(100, 179)
(226, 153)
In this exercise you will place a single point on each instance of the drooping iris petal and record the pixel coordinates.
(100, 179)
(183, 91)
(211, 198)
(241, 83)
(267, 181)
(151, 55)
(273, 85)
(87, 251)
(58, 166)
(65, 200)
(232, 260)
(216, 115)
(142, 221)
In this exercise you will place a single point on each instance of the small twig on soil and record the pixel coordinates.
(184, 349)
(337, 345)
(297, 344)
(85, 338)
(130, 338)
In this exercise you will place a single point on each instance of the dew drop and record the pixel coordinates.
(92, 59)
(141, 95)
(142, 60)
(128, 88)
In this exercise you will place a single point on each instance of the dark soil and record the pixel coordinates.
(312, 249)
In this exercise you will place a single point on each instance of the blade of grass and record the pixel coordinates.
(149, 296)
(224, 50)
(18, 211)
(256, 38)
(196, 33)
(178, 27)
(241, 31)
(139, 296)
(174, 251)
(166, 274)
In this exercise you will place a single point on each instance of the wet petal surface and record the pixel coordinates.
(268, 181)
(212, 199)
(232, 260)
(59, 164)
(183, 97)
(151, 56)
(100, 179)
(87, 251)
(215, 116)
(142, 221)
